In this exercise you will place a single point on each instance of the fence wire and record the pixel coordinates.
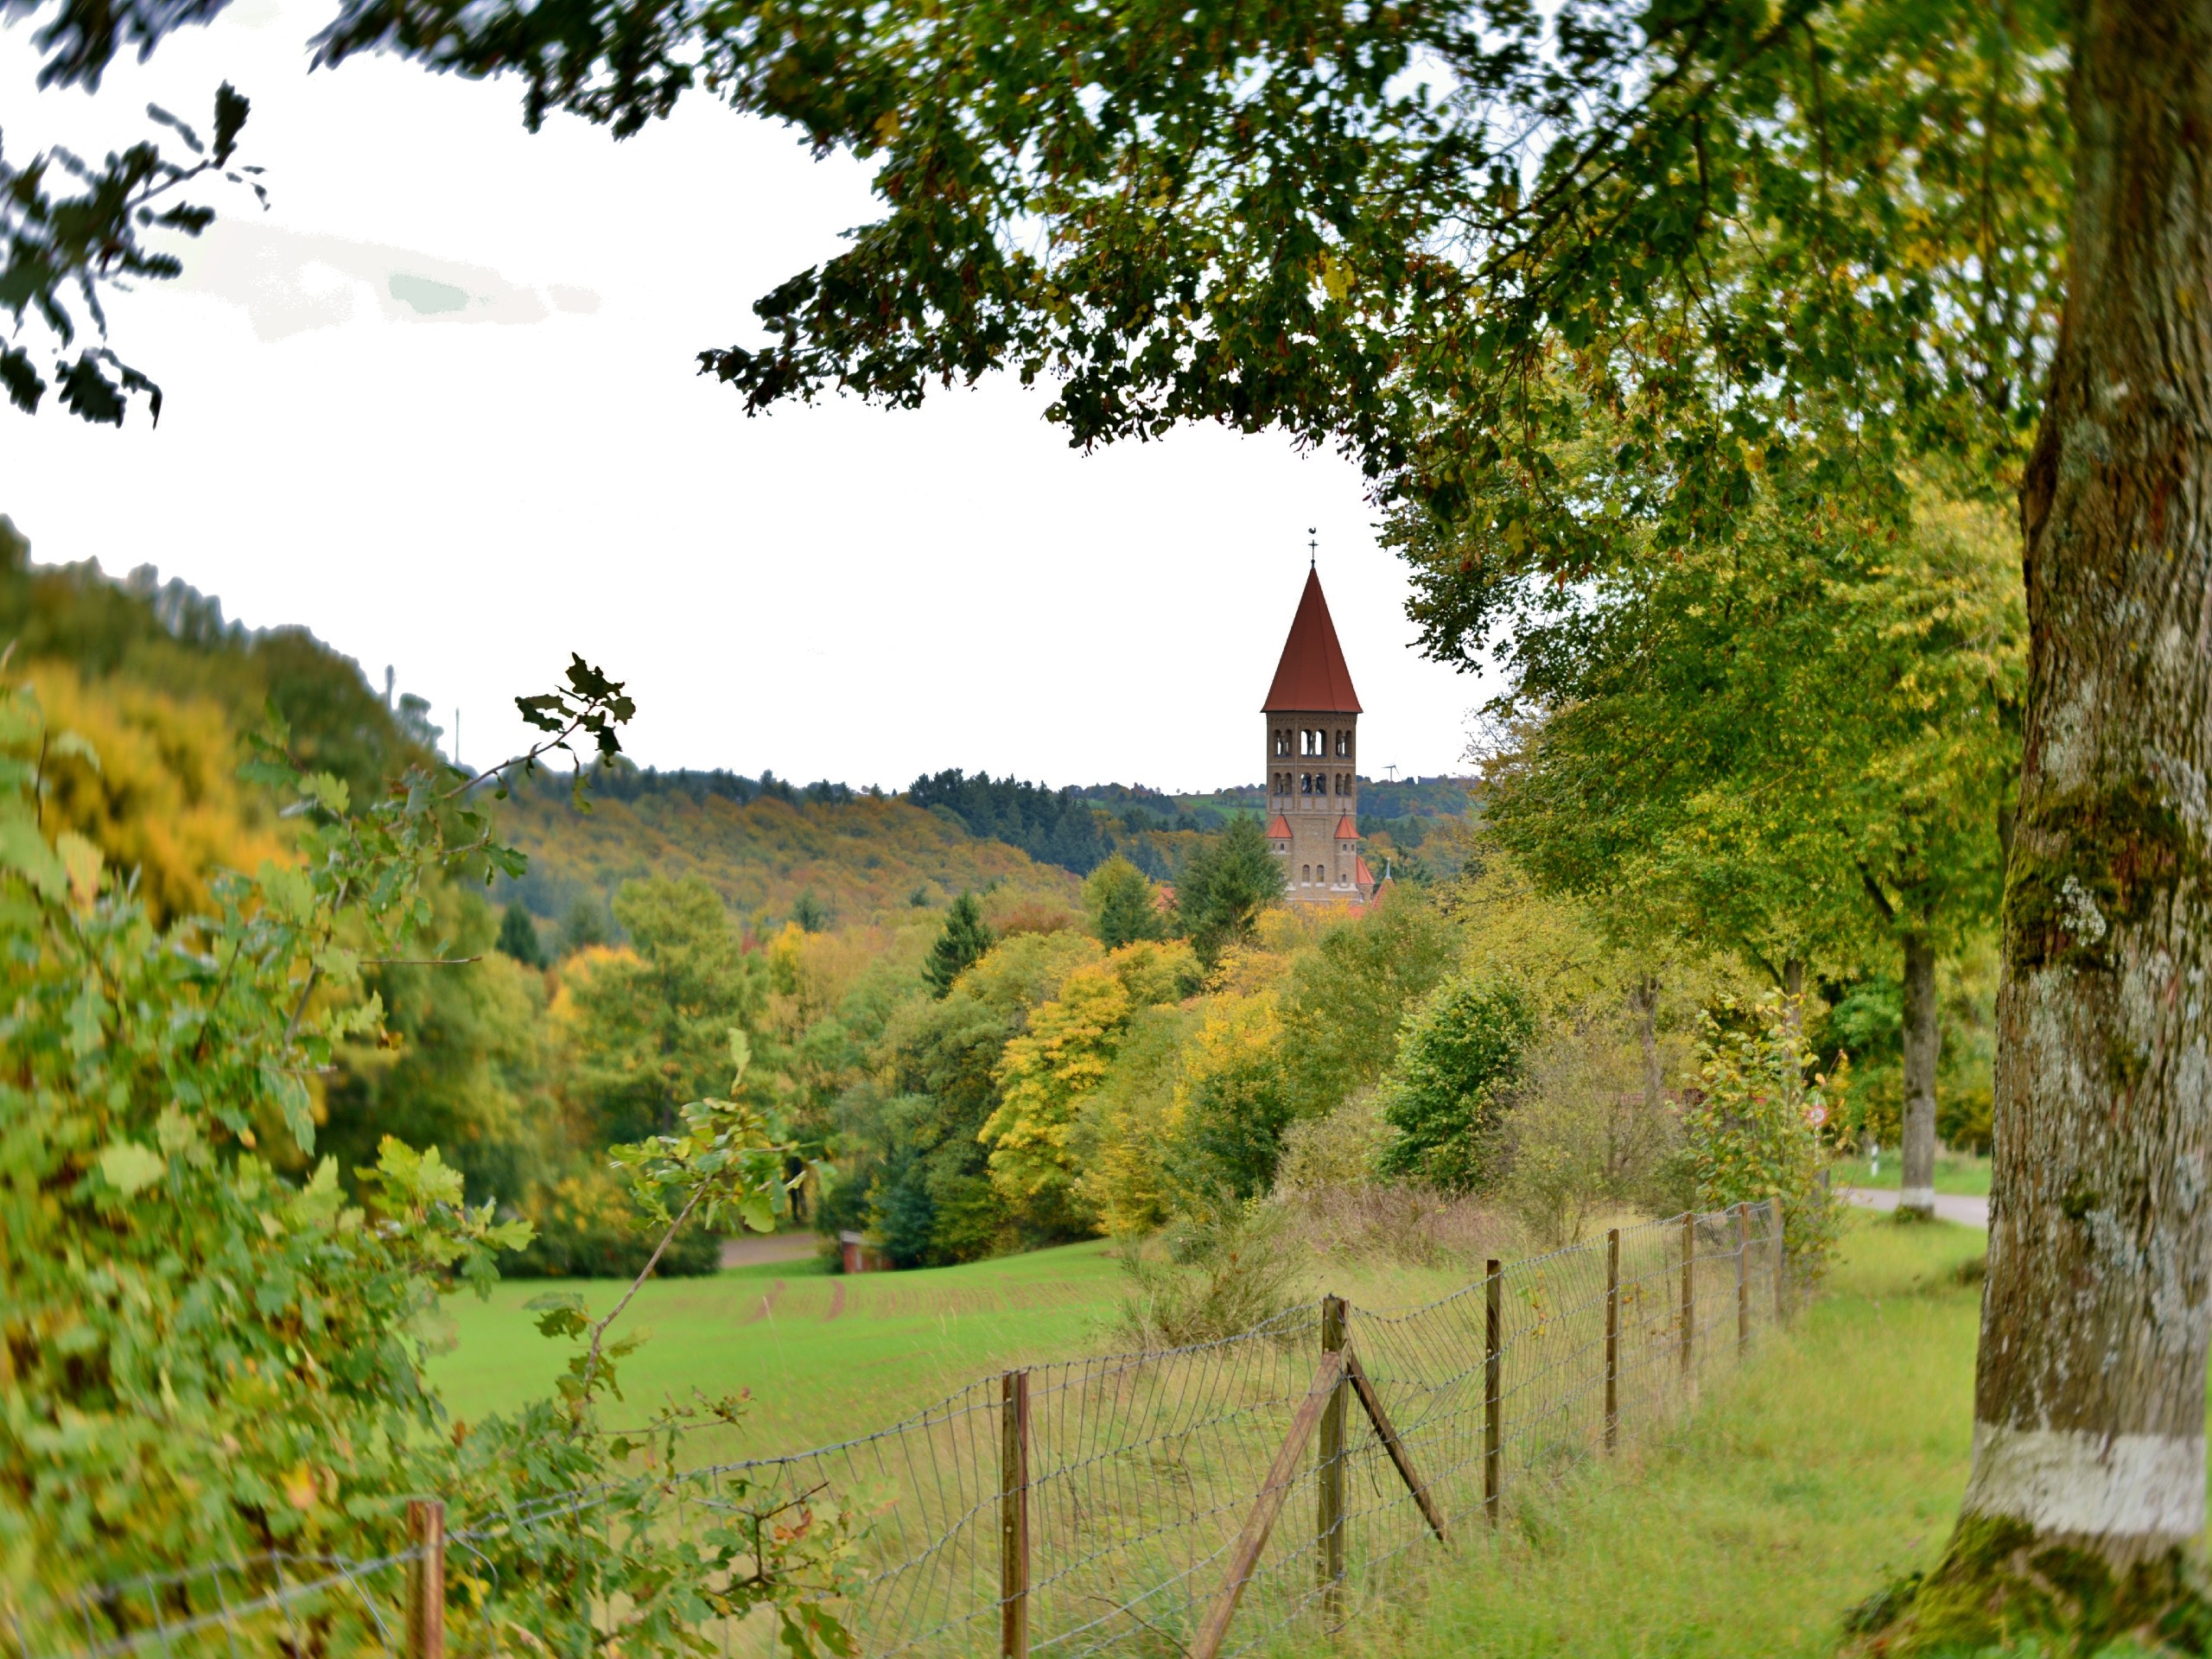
(1144, 1468)
(1143, 1471)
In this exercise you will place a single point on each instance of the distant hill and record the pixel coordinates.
(171, 640)
(152, 659)
(822, 855)
(1078, 826)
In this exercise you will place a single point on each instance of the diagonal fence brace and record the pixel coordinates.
(1338, 1366)
(1282, 1476)
(1396, 1448)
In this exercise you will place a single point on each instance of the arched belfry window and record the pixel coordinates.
(1344, 744)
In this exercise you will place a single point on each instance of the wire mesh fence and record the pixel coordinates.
(1239, 1495)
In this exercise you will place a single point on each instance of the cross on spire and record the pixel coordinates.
(1313, 547)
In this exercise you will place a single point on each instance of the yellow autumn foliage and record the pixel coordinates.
(1127, 1133)
(1047, 1072)
(164, 799)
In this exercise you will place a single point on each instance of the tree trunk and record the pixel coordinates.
(1923, 1039)
(1643, 1003)
(2089, 1397)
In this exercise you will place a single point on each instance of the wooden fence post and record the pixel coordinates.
(1612, 1337)
(1689, 1295)
(1493, 1376)
(1781, 1262)
(1330, 1476)
(1014, 1515)
(1742, 1277)
(426, 1579)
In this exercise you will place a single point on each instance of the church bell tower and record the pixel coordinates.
(1313, 719)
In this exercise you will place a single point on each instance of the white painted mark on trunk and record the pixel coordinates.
(1917, 1197)
(2071, 1481)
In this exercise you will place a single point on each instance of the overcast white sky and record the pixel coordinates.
(468, 494)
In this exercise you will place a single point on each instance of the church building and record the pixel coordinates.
(1312, 717)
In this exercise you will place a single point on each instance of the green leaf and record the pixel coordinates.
(69, 743)
(82, 862)
(24, 850)
(131, 1168)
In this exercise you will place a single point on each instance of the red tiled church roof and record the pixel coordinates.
(1312, 678)
(1346, 829)
(1359, 875)
(1278, 828)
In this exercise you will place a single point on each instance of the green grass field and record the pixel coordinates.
(1829, 1469)
(1832, 1466)
(1955, 1172)
(825, 1355)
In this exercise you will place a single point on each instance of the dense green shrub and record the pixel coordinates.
(586, 1226)
(204, 1359)
(1458, 1061)
(1756, 1130)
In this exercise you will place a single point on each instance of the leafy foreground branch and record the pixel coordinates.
(208, 1354)
(57, 244)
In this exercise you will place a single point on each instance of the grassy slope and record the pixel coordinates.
(864, 859)
(1835, 1466)
(824, 1355)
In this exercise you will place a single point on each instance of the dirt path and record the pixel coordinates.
(750, 1252)
(1949, 1206)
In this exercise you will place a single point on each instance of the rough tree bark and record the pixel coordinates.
(2089, 1397)
(1922, 1044)
(1643, 1004)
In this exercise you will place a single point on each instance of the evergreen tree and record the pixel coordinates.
(1119, 903)
(1228, 882)
(519, 936)
(584, 926)
(965, 939)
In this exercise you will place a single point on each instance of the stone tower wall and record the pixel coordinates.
(1313, 814)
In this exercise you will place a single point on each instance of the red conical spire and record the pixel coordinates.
(1312, 678)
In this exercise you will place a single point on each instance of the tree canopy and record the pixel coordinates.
(1226, 885)
(1730, 229)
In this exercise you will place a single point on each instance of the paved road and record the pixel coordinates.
(1949, 1206)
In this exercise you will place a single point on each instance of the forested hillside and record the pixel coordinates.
(1080, 826)
(164, 692)
(823, 855)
